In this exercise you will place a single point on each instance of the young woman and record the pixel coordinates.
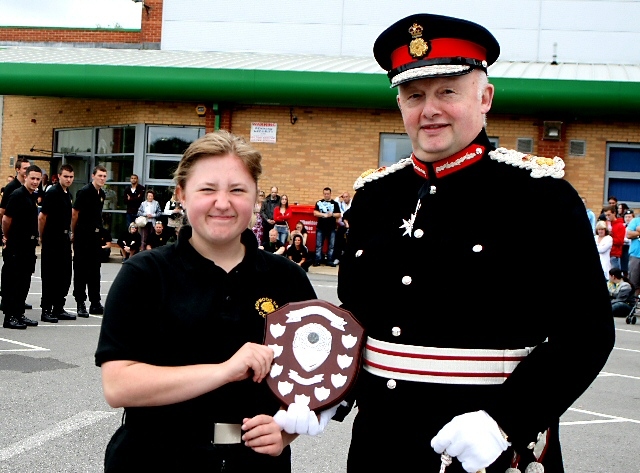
(282, 215)
(299, 230)
(604, 242)
(189, 368)
(130, 242)
(298, 253)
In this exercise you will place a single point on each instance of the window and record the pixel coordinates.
(495, 141)
(524, 145)
(165, 145)
(393, 148)
(74, 141)
(622, 177)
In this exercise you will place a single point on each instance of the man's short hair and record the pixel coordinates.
(327, 189)
(34, 168)
(611, 208)
(99, 167)
(65, 167)
(19, 162)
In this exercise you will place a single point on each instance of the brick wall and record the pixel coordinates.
(69, 35)
(30, 121)
(326, 147)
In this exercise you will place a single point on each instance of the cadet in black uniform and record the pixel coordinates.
(468, 351)
(21, 166)
(189, 367)
(20, 234)
(54, 224)
(86, 222)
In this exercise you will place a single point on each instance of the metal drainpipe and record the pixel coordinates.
(216, 120)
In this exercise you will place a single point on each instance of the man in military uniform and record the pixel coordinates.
(54, 225)
(86, 222)
(477, 369)
(20, 234)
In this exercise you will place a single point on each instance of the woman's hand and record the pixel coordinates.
(263, 435)
(251, 357)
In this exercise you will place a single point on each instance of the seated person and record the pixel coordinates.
(105, 245)
(158, 237)
(621, 293)
(274, 245)
(298, 253)
(130, 242)
(299, 230)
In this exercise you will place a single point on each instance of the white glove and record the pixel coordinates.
(474, 438)
(299, 419)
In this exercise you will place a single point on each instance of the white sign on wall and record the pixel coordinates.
(263, 132)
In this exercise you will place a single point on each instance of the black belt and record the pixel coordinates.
(217, 433)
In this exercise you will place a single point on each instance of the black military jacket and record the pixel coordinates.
(467, 254)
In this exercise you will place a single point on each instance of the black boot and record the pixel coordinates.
(27, 321)
(96, 309)
(47, 316)
(13, 322)
(82, 310)
(61, 314)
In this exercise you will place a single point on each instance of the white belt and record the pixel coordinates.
(440, 365)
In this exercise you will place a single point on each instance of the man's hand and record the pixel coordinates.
(263, 435)
(474, 438)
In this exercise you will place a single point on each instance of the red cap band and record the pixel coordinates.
(440, 48)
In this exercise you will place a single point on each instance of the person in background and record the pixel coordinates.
(343, 226)
(274, 245)
(621, 293)
(20, 235)
(193, 389)
(327, 212)
(590, 215)
(256, 223)
(299, 230)
(20, 166)
(158, 237)
(612, 201)
(269, 205)
(133, 195)
(298, 253)
(413, 406)
(621, 208)
(130, 242)
(624, 259)
(617, 230)
(281, 216)
(86, 225)
(174, 214)
(54, 226)
(150, 209)
(105, 244)
(604, 242)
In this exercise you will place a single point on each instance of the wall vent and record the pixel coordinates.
(577, 148)
(524, 145)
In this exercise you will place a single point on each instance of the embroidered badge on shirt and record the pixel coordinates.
(265, 306)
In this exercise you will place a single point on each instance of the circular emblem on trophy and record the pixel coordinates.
(317, 353)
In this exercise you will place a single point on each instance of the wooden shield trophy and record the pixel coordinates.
(317, 353)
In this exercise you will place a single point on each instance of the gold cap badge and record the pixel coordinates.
(417, 47)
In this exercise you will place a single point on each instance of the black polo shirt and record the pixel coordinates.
(8, 189)
(173, 307)
(23, 211)
(88, 203)
(56, 205)
(155, 240)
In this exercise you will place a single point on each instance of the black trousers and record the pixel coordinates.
(131, 450)
(86, 273)
(17, 268)
(55, 268)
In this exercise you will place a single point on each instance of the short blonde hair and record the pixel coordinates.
(602, 224)
(218, 143)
